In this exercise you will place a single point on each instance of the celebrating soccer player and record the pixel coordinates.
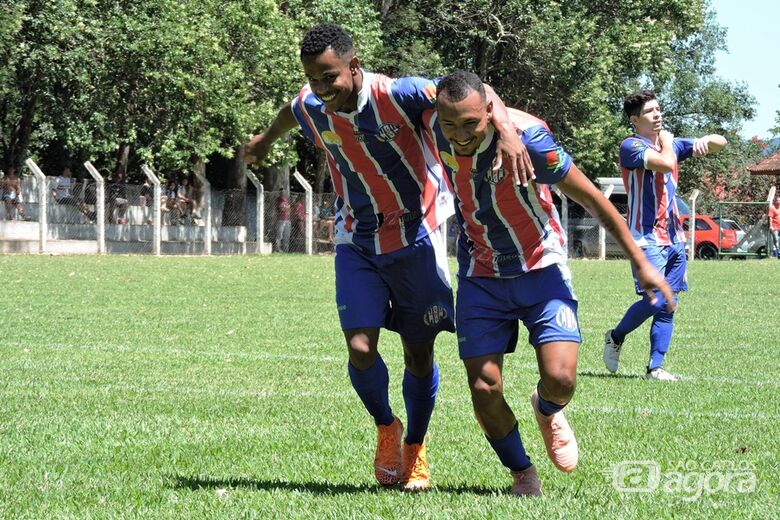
(649, 161)
(512, 266)
(391, 268)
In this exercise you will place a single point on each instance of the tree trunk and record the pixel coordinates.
(19, 141)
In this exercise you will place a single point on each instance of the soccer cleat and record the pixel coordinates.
(417, 476)
(526, 482)
(611, 352)
(387, 460)
(659, 374)
(558, 437)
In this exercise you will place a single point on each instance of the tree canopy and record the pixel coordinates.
(170, 82)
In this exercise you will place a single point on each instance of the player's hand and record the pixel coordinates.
(651, 280)
(517, 160)
(256, 149)
(701, 146)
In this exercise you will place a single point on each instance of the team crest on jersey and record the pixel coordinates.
(565, 318)
(329, 137)
(449, 161)
(434, 315)
(388, 131)
(495, 176)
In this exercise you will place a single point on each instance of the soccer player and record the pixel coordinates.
(391, 268)
(512, 266)
(774, 225)
(649, 161)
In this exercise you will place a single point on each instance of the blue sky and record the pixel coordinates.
(753, 55)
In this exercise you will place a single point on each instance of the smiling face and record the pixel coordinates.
(335, 79)
(649, 122)
(464, 123)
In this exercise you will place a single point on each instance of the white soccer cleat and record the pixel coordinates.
(611, 352)
(659, 374)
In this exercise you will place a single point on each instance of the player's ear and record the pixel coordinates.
(489, 109)
(633, 120)
(354, 65)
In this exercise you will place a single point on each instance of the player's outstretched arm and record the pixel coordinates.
(708, 144)
(259, 145)
(509, 143)
(576, 186)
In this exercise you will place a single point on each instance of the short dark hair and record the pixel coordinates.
(324, 35)
(634, 102)
(457, 85)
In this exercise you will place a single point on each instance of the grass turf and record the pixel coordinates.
(217, 387)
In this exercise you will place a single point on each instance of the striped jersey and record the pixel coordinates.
(505, 229)
(390, 186)
(653, 216)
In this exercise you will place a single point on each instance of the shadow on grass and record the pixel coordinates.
(319, 488)
(607, 375)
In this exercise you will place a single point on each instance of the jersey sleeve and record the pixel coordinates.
(415, 94)
(683, 148)
(632, 153)
(551, 162)
(299, 113)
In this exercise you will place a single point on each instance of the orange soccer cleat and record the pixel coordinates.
(387, 460)
(417, 476)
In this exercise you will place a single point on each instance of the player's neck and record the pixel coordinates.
(653, 137)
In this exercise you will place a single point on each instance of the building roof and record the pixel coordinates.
(768, 166)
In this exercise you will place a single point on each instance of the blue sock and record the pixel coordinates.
(419, 396)
(510, 451)
(546, 407)
(636, 315)
(371, 385)
(660, 338)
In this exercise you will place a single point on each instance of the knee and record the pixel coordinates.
(486, 394)
(418, 358)
(560, 386)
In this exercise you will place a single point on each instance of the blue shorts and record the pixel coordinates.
(488, 311)
(670, 262)
(407, 291)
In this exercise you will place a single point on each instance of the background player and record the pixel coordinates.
(391, 268)
(512, 266)
(649, 163)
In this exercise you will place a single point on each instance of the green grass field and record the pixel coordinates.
(217, 388)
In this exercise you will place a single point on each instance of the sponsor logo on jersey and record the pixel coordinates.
(495, 176)
(388, 131)
(565, 318)
(449, 161)
(330, 137)
(434, 315)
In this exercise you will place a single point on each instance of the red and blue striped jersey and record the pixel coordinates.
(505, 229)
(390, 185)
(653, 216)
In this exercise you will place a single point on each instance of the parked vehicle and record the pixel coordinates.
(708, 235)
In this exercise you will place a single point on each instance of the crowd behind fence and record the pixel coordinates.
(178, 215)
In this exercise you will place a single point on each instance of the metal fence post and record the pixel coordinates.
(259, 209)
(564, 212)
(43, 219)
(692, 224)
(100, 206)
(200, 173)
(602, 232)
(156, 209)
(309, 203)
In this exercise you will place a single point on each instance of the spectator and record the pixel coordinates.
(168, 201)
(146, 196)
(774, 226)
(117, 197)
(184, 198)
(61, 193)
(325, 221)
(282, 223)
(11, 193)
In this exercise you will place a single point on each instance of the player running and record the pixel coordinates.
(649, 161)
(391, 268)
(512, 266)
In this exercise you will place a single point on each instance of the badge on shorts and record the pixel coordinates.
(434, 315)
(565, 318)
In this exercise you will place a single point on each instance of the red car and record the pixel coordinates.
(707, 236)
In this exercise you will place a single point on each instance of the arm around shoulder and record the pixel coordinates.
(259, 145)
